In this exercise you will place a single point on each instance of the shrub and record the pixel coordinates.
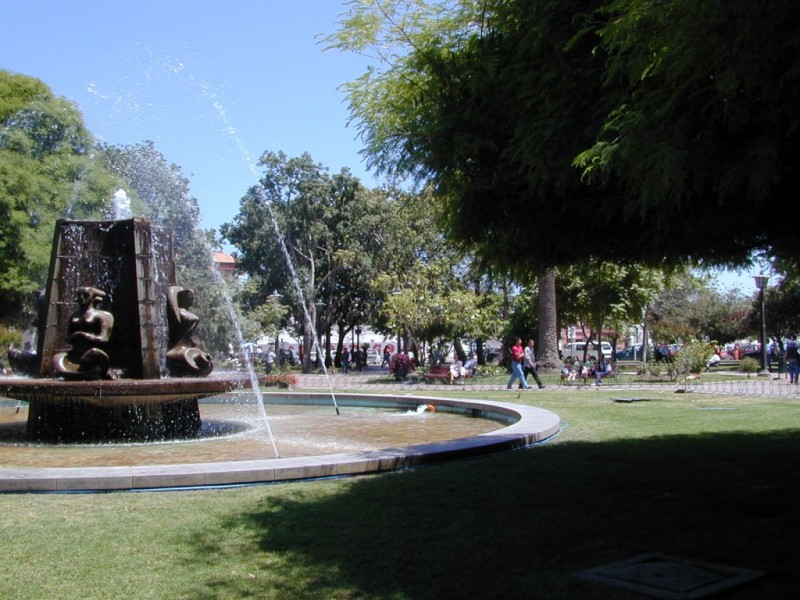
(491, 371)
(693, 357)
(9, 337)
(749, 365)
(654, 368)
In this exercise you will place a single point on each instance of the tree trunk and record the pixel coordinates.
(548, 323)
(308, 344)
(480, 351)
(459, 351)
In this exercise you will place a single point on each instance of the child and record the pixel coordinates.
(576, 369)
(565, 373)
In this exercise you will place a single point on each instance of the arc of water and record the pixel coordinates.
(251, 373)
(309, 322)
(296, 282)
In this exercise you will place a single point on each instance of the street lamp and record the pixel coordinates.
(318, 337)
(397, 292)
(359, 358)
(761, 284)
(276, 297)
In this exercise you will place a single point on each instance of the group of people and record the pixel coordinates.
(591, 369)
(461, 371)
(352, 356)
(523, 363)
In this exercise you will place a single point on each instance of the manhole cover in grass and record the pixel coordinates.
(663, 576)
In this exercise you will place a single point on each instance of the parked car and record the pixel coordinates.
(492, 353)
(634, 353)
(576, 350)
(666, 352)
(373, 358)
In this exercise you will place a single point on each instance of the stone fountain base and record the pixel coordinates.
(526, 425)
(131, 410)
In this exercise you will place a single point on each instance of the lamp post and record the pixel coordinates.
(359, 358)
(318, 337)
(276, 298)
(761, 284)
(398, 292)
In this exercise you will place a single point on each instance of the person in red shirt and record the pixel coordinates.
(517, 358)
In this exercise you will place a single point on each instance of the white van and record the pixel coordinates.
(575, 349)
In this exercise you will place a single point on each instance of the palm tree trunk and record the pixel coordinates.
(548, 323)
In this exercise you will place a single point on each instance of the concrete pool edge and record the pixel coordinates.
(528, 425)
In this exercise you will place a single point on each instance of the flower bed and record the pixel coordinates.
(284, 380)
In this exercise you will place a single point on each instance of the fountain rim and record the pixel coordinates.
(528, 425)
(28, 388)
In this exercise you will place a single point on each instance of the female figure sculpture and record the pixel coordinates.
(90, 329)
(184, 358)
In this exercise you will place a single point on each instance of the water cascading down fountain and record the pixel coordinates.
(116, 357)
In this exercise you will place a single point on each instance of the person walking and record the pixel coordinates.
(793, 361)
(517, 359)
(345, 360)
(529, 364)
(269, 360)
(387, 357)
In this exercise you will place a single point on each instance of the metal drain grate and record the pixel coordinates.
(662, 576)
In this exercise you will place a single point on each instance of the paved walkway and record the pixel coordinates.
(377, 379)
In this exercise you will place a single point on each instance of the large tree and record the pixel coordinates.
(602, 295)
(47, 172)
(314, 237)
(547, 124)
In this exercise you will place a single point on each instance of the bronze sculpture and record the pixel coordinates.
(90, 330)
(184, 357)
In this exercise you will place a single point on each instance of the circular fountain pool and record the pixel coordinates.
(371, 434)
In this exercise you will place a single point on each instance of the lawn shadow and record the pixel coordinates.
(519, 524)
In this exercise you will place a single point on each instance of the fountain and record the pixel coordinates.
(116, 356)
(238, 459)
(117, 361)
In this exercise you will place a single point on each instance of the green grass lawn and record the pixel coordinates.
(710, 478)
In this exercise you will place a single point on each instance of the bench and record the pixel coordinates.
(437, 372)
(628, 367)
(605, 375)
(621, 367)
(443, 372)
(728, 364)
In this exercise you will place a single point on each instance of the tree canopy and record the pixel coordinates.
(46, 172)
(548, 125)
(314, 237)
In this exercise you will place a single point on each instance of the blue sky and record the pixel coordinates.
(213, 83)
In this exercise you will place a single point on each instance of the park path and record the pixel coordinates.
(377, 379)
